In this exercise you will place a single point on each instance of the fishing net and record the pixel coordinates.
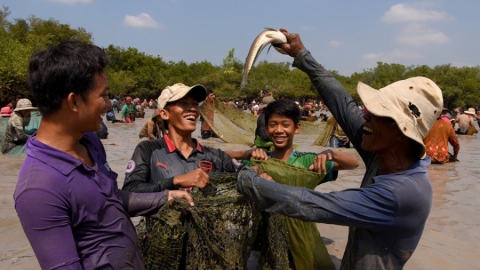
(238, 127)
(325, 132)
(238, 132)
(217, 233)
(306, 245)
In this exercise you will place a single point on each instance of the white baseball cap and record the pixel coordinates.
(178, 91)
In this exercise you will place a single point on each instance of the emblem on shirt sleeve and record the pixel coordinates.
(130, 166)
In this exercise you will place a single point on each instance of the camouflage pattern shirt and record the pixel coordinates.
(15, 133)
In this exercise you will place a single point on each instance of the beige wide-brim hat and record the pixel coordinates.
(470, 111)
(24, 104)
(414, 104)
(178, 91)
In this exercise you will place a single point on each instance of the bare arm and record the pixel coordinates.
(341, 161)
(255, 153)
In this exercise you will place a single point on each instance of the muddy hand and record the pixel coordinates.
(319, 162)
(180, 194)
(195, 178)
(259, 154)
(294, 43)
(267, 177)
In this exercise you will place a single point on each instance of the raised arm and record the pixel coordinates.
(340, 103)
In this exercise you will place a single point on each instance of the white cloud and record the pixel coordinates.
(73, 1)
(405, 13)
(336, 43)
(372, 56)
(392, 56)
(306, 27)
(141, 21)
(417, 35)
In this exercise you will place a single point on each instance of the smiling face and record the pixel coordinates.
(281, 131)
(182, 115)
(95, 105)
(380, 133)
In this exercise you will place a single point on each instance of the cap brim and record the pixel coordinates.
(198, 91)
(26, 108)
(376, 103)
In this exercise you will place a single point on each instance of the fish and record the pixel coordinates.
(268, 37)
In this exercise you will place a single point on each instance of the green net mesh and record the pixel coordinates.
(238, 127)
(306, 245)
(217, 233)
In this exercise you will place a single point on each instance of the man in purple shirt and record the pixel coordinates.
(67, 198)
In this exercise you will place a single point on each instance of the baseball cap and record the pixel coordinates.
(414, 104)
(178, 91)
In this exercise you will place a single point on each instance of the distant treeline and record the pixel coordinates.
(138, 74)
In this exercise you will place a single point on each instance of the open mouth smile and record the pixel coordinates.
(190, 117)
(367, 130)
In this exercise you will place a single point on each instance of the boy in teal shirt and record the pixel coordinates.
(282, 119)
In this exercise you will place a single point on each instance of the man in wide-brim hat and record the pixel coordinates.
(15, 132)
(387, 214)
(465, 120)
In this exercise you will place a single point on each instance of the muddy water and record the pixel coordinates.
(451, 239)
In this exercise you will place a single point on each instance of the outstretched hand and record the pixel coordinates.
(294, 43)
(319, 162)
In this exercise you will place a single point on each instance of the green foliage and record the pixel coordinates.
(19, 39)
(135, 73)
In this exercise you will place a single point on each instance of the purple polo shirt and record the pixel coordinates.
(74, 216)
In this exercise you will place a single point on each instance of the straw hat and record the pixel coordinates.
(414, 104)
(24, 104)
(470, 111)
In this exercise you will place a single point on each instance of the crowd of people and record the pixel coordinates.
(75, 216)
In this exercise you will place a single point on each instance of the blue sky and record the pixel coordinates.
(347, 36)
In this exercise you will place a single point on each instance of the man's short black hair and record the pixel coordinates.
(209, 91)
(60, 70)
(284, 107)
